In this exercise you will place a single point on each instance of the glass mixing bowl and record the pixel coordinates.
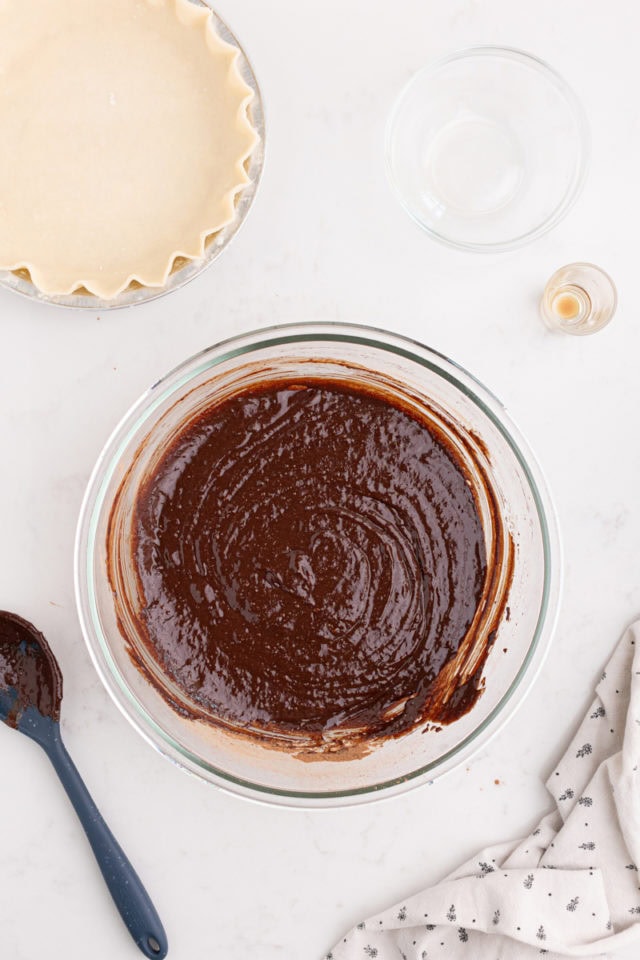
(487, 149)
(184, 269)
(249, 768)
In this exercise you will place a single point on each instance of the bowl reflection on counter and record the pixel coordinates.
(530, 592)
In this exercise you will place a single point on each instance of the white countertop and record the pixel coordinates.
(326, 240)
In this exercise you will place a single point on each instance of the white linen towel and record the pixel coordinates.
(571, 888)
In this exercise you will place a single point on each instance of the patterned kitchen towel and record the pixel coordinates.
(570, 889)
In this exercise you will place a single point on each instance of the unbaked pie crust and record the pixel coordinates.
(124, 135)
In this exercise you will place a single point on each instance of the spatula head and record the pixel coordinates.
(30, 678)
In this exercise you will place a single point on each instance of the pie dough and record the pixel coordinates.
(123, 139)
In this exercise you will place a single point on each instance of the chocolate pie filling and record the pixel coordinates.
(309, 556)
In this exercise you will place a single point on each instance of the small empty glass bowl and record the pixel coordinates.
(487, 149)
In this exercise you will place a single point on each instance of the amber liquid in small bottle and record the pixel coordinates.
(578, 299)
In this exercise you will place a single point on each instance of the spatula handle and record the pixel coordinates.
(125, 886)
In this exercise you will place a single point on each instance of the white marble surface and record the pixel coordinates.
(326, 240)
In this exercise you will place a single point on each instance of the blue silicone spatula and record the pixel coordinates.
(30, 699)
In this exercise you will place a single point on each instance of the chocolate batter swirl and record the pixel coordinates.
(309, 557)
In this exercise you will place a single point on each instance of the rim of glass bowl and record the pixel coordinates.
(217, 242)
(582, 156)
(245, 344)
